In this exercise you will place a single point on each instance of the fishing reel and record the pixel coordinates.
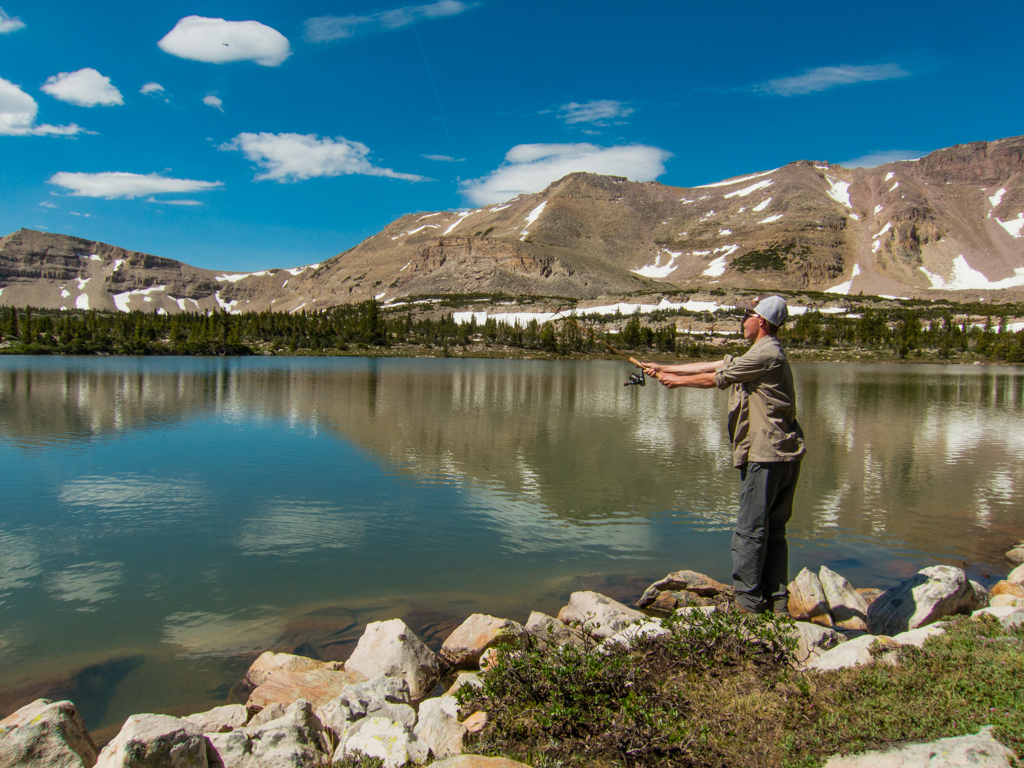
(636, 378)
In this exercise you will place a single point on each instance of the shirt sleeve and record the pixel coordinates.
(737, 370)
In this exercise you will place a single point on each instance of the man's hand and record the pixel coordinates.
(671, 380)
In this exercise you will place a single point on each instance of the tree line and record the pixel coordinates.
(368, 326)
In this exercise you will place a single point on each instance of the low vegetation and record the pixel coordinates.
(872, 328)
(720, 691)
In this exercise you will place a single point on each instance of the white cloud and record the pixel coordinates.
(212, 101)
(216, 41)
(174, 202)
(149, 88)
(113, 184)
(45, 204)
(295, 157)
(9, 24)
(823, 78)
(86, 88)
(324, 29)
(444, 158)
(18, 115)
(531, 167)
(881, 158)
(597, 112)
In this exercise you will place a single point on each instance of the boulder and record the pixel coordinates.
(439, 726)
(975, 598)
(46, 734)
(931, 594)
(813, 640)
(600, 616)
(624, 637)
(270, 662)
(547, 630)
(336, 718)
(1012, 621)
(1007, 587)
(918, 636)
(807, 601)
(221, 719)
(1016, 553)
(318, 685)
(294, 740)
(1006, 600)
(381, 697)
(155, 741)
(996, 611)
(389, 741)
(1016, 575)
(465, 678)
(870, 594)
(694, 582)
(475, 722)
(981, 750)
(391, 649)
(463, 647)
(478, 761)
(268, 713)
(856, 653)
(849, 609)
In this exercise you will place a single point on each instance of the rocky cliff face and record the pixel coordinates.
(952, 221)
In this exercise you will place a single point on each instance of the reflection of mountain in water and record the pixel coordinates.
(923, 455)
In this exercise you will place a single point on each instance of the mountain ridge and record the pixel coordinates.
(947, 225)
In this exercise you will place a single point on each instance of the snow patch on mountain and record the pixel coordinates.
(965, 277)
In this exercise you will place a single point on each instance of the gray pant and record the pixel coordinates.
(760, 555)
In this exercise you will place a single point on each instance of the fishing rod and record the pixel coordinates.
(637, 379)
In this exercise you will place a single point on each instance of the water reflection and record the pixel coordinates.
(200, 634)
(86, 583)
(288, 528)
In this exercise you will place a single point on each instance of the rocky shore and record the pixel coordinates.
(394, 698)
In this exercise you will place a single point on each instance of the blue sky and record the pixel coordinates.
(242, 136)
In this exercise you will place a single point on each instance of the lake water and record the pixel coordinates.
(163, 520)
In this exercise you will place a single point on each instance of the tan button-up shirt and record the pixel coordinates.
(762, 405)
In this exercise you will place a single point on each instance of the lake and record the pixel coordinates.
(165, 519)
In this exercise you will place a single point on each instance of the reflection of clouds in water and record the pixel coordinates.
(19, 563)
(294, 527)
(529, 478)
(653, 431)
(825, 514)
(132, 498)
(202, 634)
(88, 582)
(526, 526)
(996, 490)
(963, 432)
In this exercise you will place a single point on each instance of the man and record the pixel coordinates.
(767, 445)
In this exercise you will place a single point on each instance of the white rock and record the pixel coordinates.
(981, 750)
(220, 719)
(336, 718)
(268, 713)
(463, 647)
(270, 662)
(999, 611)
(465, 677)
(1012, 621)
(155, 741)
(855, 653)
(295, 740)
(601, 615)
(551, 631)
(807, 599)
(381, 697)
(976, 598)
(46, 734)
(848, 608)
(439, 726)
(927, 596)
(919, 635)
(1016, 575)
(1006, 601)
(391, 742)
(812, 640)
(391, 649)
(649, 628)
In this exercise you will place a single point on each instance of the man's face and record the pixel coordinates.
(751, 325)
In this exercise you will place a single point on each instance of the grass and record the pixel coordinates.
(719, 690)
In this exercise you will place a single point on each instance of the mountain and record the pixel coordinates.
(950, 224)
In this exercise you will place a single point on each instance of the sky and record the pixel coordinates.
(247, 136)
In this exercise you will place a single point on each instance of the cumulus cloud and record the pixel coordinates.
(9, 24)
(149, 88)
(216, 41)
(324, 29)
(18, 115)
(212, 101)
(531, 167)
(881, 158)
(86, 88)
(295, 157)
(112, 184)
(823, 78)
(598, 112)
